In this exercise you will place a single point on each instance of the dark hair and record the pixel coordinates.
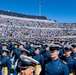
(37, 48)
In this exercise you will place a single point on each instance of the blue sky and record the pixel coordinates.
(60, 10)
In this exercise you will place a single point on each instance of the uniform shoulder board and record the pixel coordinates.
(63, 62)
(74, 58)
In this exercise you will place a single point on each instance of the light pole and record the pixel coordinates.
(40, 3)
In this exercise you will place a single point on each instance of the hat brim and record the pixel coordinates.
(5, 51)
(28, 59)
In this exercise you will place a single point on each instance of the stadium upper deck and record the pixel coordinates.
(17, 27)
(21, 15)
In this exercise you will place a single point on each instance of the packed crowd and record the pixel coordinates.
(51, 55)
(19, 28)
(47, 57)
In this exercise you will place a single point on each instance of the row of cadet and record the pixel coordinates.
(51, 58)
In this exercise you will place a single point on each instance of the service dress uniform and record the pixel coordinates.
(70, 61)
(74, 48)
(55, 66)
(6, 63)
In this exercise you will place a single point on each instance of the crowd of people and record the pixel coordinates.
(37, 57)
(51, 52)
(23, 28)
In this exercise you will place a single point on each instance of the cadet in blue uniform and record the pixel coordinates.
(27, 66)
(74, 50)
(55, 66)
(62, 48)
(74, 53)
(5, 46)
(0, 57)
(12, 45)
(26, 45)
(38, 56)
(14, 59)
(46, 53)
(2, 46)
(41, 47)
(16, 51)
(25, 53)
(5, 60)
(69, 59)
(32, 49)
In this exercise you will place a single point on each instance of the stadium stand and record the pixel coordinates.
(13, 25)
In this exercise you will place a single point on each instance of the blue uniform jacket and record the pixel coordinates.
(71, 64)
(17, 53)
(32, 52)
(61, 51)
(39, 58)
(6, 62)
(46, 54)
(56, 67)
(27, 46)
